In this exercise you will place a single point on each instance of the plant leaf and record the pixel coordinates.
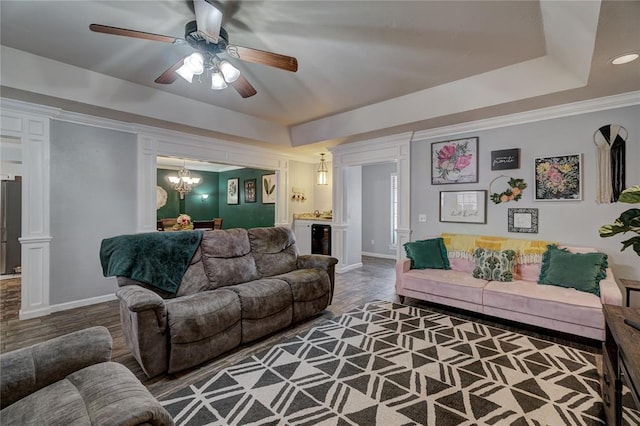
(630, 195)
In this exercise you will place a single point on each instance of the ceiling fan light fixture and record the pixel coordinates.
(217, 81)
(230, 72)
(193, 65)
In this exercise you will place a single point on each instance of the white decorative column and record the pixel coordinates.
(35, 240)
(147, 181)
(396, 148)
(282, 197)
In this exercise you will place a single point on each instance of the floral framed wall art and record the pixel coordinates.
(463, 206)
(454, 161)
(250, 191)
(269, 189)
(558, 178)
(233, 191)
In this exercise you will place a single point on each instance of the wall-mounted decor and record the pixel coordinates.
(454, 161)
(233, 191)
(558, 178)
(505, 159)
(512, 193)
(522, 220)
(161, 197)
(610, 143)
(463, 206)
(250, 191)
(269, 189)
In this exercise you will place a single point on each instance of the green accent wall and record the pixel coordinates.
(242, 215)
(245, 215)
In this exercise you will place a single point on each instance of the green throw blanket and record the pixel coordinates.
(158, 259)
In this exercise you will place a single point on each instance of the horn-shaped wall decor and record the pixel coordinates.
(610, 142)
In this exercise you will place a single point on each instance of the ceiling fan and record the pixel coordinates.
(209, 39)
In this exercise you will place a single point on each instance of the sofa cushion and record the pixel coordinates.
(307, 284)
(497, 265)
(274, 250)
(427, 254)
(227, 258)
(558, 303)
(582, 271)
(450, 284)
(195, 278)
(202, 315)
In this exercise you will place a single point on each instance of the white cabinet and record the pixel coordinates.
(302, 229)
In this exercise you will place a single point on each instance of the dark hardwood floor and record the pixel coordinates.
(374, 281)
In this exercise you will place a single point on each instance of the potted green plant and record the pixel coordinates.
(629, 221)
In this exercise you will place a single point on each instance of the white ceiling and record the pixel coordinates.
(366, 68)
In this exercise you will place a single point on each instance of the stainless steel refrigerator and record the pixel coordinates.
(10, 225)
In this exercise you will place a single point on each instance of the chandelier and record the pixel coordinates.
(183, 182)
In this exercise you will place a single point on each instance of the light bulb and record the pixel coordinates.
(217, 81)
(230, 72)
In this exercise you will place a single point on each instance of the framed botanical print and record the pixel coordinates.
(233, 191)
(250, 191)
(463, 206)
(454, 161)
(558, 178)
(269, 189)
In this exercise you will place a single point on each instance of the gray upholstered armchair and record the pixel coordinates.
(70, 380)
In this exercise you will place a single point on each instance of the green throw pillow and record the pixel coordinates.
(494, 265)
(427, 254)
(582, 271)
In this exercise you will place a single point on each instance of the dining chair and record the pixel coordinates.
(217, 223)
(203, 224)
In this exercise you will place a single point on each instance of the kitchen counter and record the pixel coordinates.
(311, 216)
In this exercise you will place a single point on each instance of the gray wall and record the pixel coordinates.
(93, 196)
(376, 208)
(569, 222)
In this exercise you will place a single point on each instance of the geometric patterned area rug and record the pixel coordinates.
(391, 364)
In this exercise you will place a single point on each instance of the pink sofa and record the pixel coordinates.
(522, 300)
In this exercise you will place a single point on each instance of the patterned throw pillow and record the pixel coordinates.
(494, 265)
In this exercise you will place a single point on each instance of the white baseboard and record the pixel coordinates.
(380, 255)
(340, 270)
(66, 306)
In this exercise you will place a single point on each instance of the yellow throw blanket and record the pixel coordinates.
(461, 246)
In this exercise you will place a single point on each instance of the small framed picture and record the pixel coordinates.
(463, 206)
(558, 178)
(454, 161)
(250, 191)
(269, 189)
(522, 220)
(233, 190)
(505, 159)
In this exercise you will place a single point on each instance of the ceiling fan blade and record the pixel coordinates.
(97, 28)
(243, 87)
(170, 75)
(276, 60)
(208, 20)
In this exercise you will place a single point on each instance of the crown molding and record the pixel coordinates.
(156, 132)
(559, 111)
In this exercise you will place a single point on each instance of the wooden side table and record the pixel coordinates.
(630, 285)
(621, 363)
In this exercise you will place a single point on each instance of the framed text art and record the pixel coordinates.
(522, 220)
(463, 206)
(454, 161)
(250, 191)
(505, 159)
(558, 178)
(232, 191)
(269, 189)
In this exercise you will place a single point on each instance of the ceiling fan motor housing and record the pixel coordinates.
(198, 42)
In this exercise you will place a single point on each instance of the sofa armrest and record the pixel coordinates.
(402, 266)
(29, 369)
(610, 293)
(140, 299)
(316, 261)
(323, 262)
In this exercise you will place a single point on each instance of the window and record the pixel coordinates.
(394, 210)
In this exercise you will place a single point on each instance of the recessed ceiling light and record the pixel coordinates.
(625, 59)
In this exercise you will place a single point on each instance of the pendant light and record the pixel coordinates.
(322, 171)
